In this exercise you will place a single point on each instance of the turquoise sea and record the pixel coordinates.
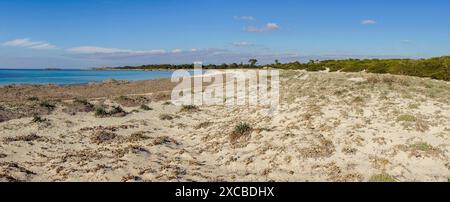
(67, 77)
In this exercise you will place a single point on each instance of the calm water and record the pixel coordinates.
(65, 77)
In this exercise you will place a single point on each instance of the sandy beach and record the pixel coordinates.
(330, 127)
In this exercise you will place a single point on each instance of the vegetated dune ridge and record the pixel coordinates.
(14, 93)
(330, 127)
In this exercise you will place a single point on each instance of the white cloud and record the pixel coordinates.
(160, 51)
(252, 29)
(20, 42)
(368, 22)
(242, 44)
(101, 50)
(93, 52)
(272, 26)
(94, 49)
(249, 18)
(43, 46)
(408, 42)
(177, 51)
(27, 43)
(268, 28)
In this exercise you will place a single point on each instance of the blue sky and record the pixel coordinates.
(89, 33)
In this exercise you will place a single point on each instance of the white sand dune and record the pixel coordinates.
(330, 127)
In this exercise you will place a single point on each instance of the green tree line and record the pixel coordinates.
(436, 68)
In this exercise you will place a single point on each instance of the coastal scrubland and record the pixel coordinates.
(331, 126)
(435, 68)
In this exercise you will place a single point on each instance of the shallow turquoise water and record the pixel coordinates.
(66, 77)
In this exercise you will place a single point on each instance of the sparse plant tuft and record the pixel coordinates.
(165, 117)
(145, 107)
(82, 101)
(189, 108)
(382, 178)
(103, 136)
(414, 106)
(24, 138)
(241, 130)
(358, 99)
(407, 118)
(48, 105)
(422, 146)
(117, 110)
(38, 119)
(100, 111)
(34, 98)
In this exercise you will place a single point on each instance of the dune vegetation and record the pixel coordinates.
(435, 68)
(331, 126)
